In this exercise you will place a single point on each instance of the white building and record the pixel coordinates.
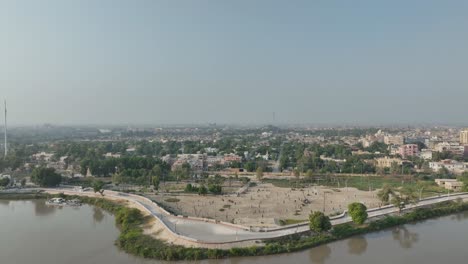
(451, 165)
(425, 154)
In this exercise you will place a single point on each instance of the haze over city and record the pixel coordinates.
(158, 62)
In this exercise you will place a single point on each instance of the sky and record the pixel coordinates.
(204, 61)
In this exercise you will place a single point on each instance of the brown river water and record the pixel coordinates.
(32, 232)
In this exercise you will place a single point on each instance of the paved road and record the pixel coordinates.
(209, 232)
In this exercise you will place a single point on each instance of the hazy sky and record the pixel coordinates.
(238, 61)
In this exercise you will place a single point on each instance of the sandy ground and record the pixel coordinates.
(265, 204)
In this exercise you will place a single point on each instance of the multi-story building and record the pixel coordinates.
(426, 154)
(394, 140)
(409, 150)
(464, 137)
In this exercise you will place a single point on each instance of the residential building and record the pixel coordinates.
(408, 150)
(441, 182)
(394, 140)
(454, 186)
(451, 165)
(450, 184)
(387, 162)
(464, 137)
(425, 154)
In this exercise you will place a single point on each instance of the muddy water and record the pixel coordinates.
(32, 232)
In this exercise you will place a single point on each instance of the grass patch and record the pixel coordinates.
(172, 200)
(359, 182)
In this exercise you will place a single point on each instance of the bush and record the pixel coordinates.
(319, 222)
(358, 212)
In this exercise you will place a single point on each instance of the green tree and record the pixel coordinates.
(98, 186)
(250, 166)
(394, 168)
(202, 190)
(215, 189)
(155, 181)
(358, 213)
(4, 181)
(45, 177)
(319, 222)
(405, 196)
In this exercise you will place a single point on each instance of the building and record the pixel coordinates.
(408, 150)
(394, 140)
(425, 154)
(450, 184)
(451, 165)
(464, 137)
(387, 162)
(43, 156)
(454, 186)
(441, 182)
(453, 147)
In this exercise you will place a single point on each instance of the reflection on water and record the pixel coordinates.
(33, 232)
(460, 216)
(81, 235)
(320, 254)
(42, 209)
(98, 215)
(4, 202)
(405, 238)
(357, 245)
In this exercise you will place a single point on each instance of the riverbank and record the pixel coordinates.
(133, 240)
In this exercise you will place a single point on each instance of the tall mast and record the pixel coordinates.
(6, 138)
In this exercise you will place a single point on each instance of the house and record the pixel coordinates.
(450, 184)
(386, 162)
(441, 182)
(425, 154)
(451, 165)
(454, 186)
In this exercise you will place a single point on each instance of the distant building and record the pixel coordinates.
(112, 155)
(43, 156)
(386, 162)
(408, 150)
(453, 147)
(425, 154)
(451, 165)
(394, 140)
(450, 184)
(464, 137)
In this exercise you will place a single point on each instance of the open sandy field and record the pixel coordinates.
(264, 205)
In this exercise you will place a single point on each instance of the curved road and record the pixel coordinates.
(215, 233)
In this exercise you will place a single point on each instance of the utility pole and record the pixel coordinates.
(324, 198)
(6, 130)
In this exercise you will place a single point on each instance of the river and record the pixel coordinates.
(32, 232)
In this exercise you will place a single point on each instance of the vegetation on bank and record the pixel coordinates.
(132, 239)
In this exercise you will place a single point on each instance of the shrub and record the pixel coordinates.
(358, 212)
(319, 222)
